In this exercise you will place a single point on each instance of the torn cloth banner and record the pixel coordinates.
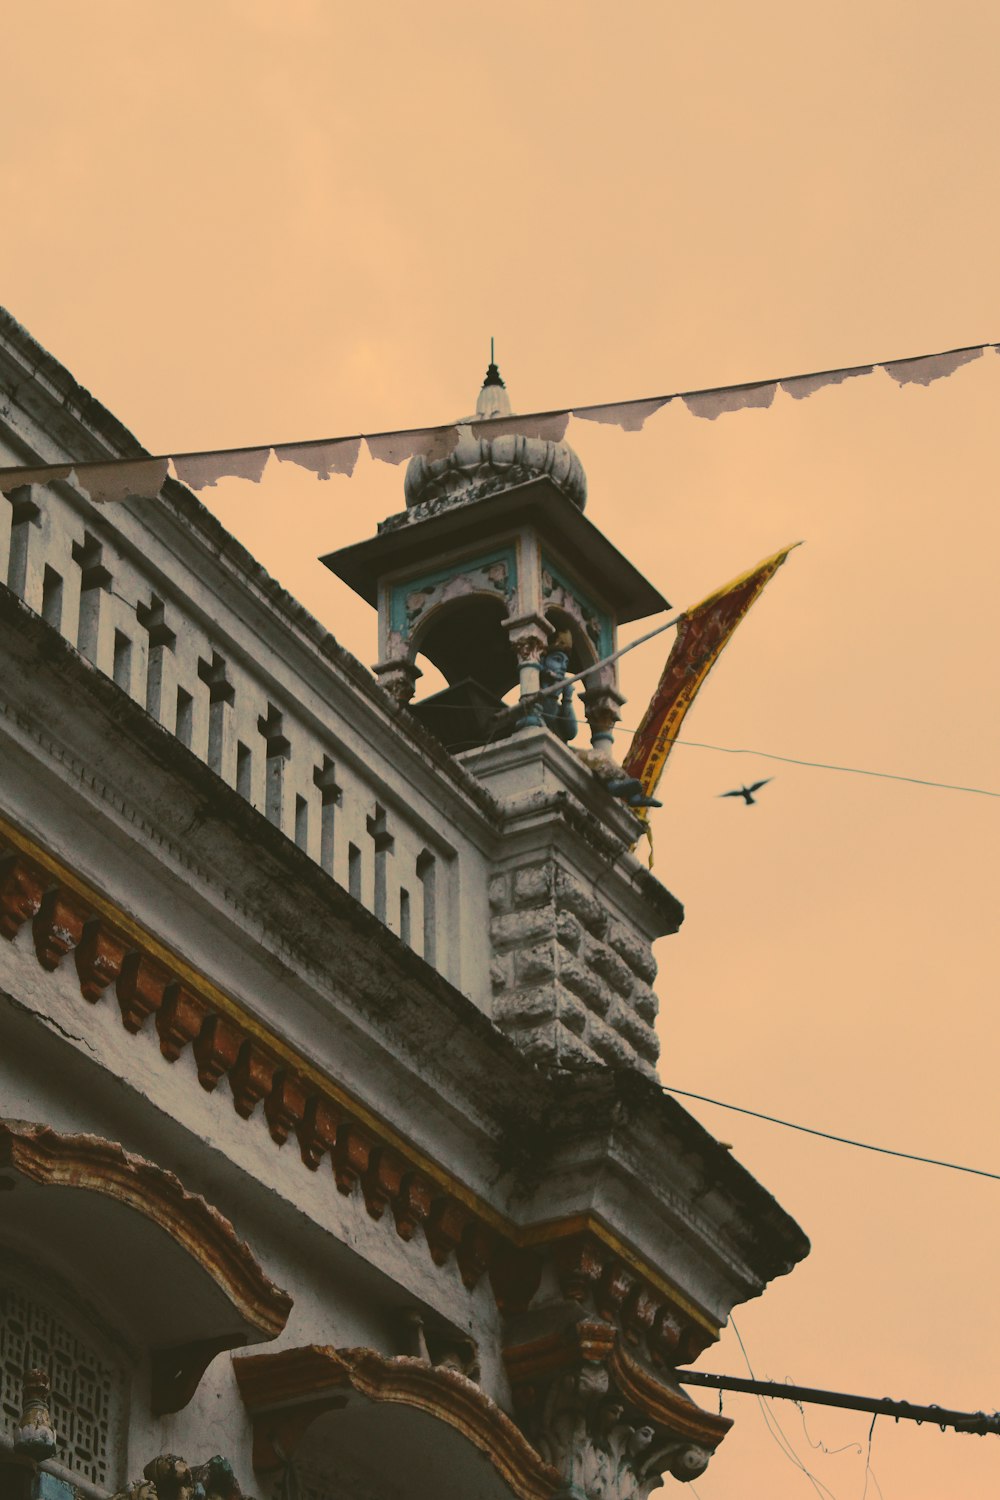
(702, 633)
(111, 479)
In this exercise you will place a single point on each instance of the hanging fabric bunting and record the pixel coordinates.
(398, 447)
(628, 415)
(201, 470)
(712, 404)
(930, 366)
(13, 479)
(702, 633)
(107, 484)
(322, 458)
(338, 455)
(800, 386)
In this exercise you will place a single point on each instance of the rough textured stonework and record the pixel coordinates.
(571, 982)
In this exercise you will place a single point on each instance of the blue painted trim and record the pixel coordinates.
(398, 618)
(587, 606)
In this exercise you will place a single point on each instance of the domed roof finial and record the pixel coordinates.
(493, 398)
(493, 376)
(486, 461)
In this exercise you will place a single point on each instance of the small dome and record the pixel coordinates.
(481, 466)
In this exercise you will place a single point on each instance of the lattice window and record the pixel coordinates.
(88, 1387)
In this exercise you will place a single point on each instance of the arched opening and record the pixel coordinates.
(465, 640)
(185, 1287)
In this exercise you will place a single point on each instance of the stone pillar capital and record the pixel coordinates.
(399, 678)
(528, 634)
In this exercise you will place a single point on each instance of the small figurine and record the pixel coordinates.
(34, 1436)
(557, 709)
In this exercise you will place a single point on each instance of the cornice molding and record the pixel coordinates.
(113, 953)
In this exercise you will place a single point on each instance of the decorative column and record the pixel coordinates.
(22, 1476)
(602, 702)
(528, 634)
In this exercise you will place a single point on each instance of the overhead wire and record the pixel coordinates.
(793, 760)
(869, 1471)
(783, 1442)
(826, 1135)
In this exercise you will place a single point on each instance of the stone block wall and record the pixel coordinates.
(572, 982)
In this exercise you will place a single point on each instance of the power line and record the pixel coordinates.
(822, 765)
(842, 1140)
(774, 1427)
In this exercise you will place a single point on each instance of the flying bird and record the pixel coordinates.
(747, 792)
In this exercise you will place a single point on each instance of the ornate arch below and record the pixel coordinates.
(185, 1286)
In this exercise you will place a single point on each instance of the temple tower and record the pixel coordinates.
(494, 574)
(491, 566)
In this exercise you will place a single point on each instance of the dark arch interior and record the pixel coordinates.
(467, 641)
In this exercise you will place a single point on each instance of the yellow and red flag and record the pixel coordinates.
(702, 633)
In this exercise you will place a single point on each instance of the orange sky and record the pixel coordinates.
(251, 222)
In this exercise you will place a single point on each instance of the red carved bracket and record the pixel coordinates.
(22, 886)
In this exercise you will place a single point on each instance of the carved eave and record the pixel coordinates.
(409, 540)
(378, 1413)
(185, 1284)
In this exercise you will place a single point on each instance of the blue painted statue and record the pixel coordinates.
(557, 708)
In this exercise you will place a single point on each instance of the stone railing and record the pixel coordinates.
(157, 596)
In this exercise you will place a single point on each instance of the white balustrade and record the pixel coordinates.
(187, 628)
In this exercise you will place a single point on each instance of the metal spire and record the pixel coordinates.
(493, 376)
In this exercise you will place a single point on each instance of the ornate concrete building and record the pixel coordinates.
(332, 1156)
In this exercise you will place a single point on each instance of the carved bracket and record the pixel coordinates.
(608, 1424)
